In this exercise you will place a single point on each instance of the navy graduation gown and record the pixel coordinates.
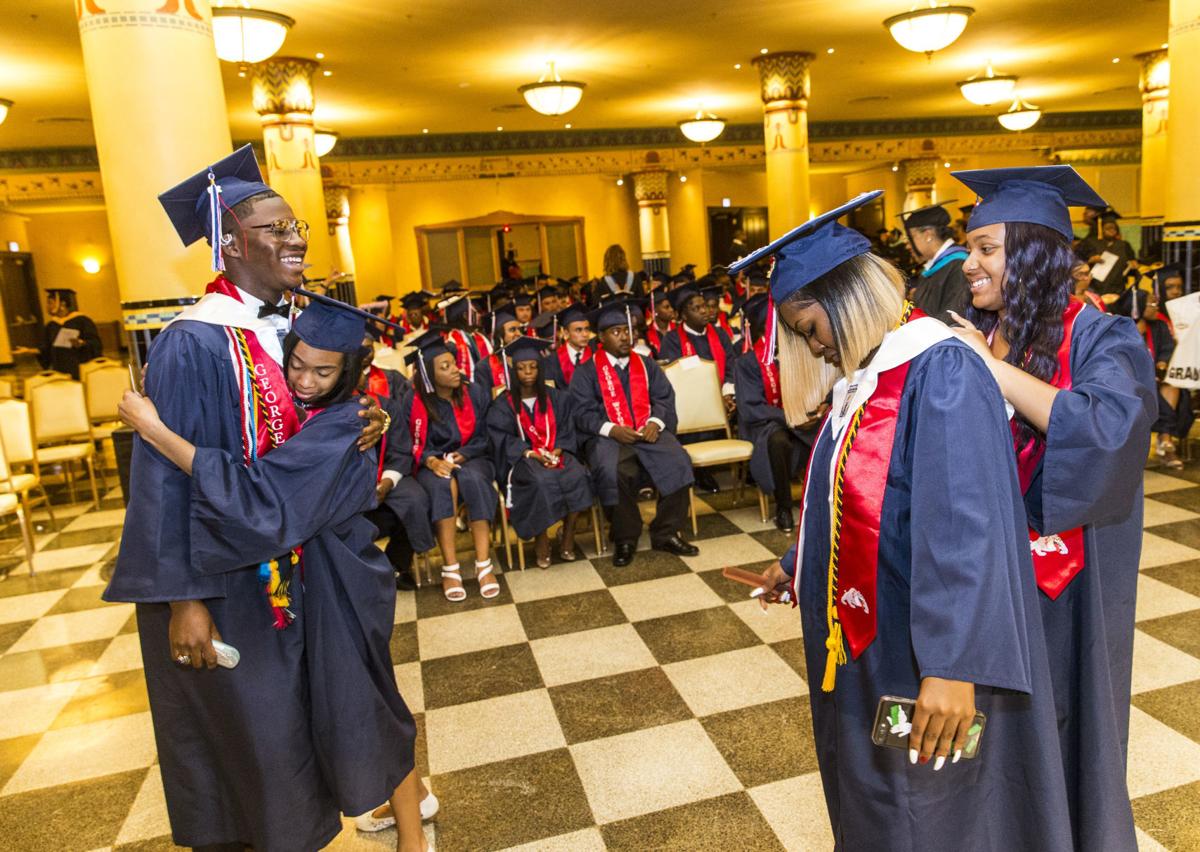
(666, 461)
(407, 500)
(476, 477)
(312, 492)
(1091, 476)
(956, 600)
(552, 370)
(672, 350)
(539, 496)
(758, 420)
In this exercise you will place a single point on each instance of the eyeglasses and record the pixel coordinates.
(281, 229)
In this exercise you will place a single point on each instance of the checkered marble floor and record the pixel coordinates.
(588, 708)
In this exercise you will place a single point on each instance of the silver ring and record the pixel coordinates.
(183, 659)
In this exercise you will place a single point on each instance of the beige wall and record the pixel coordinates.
(60, 242)
(687, 214)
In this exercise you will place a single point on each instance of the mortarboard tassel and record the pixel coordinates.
(768, 356)
(424, 373)
(214, 222)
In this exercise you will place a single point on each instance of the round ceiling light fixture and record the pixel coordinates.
(1020, 116)
(323, 140)
(245, 36)
(990, 88)
(551, 95)
(929, 29)
(702, 127)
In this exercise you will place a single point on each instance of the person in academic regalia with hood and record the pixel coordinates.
(70, 337)
(444, 443)
(912, 574)
(221, 788)
(575, 349)
(940, 286)
(532, 432)
(1082, 386)
(780, 451)
(618, 278)
(1108, 241)
(625, 415)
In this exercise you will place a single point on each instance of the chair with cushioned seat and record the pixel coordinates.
(16, 432)
(12, 502)
(63, 431)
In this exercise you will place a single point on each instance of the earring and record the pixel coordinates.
(226, 239)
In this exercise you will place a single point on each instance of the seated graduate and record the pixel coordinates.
(719, 305)
(416, 308)
(1081, 276)
(522, 305)
(625, 413)
(460, 321)
(576, 349)
(1175, 415)
(532, 432)
(549, 297)
(780, 451)
(304, 499)
(913, 576)
(381, 382)
(444, 440)
(504, 329)
(660, 321)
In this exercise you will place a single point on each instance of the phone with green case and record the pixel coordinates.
(893, 721)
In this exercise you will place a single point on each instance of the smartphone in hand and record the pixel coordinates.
(893, 722)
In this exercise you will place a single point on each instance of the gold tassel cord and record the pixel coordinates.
(833, 644)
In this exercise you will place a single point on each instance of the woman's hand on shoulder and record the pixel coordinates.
(973, 337)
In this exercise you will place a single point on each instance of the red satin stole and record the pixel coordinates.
(687, 349)
(613, 394)
(418, 425)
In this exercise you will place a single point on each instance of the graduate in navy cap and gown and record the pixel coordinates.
(503, 328)
(461, 319)
(221, 788)
(1082, 386)
(625, 415)
(294, 510)
(381, 382)
(780, 450)
(532, 432)
(660, 320)
(444, 444)
(940, 286)
(912, 574)
(575, 349)
(416, 307)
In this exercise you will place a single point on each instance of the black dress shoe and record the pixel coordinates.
(677, 545)
(784, 521)
(623, 554)
(405, 582)
(706, 483)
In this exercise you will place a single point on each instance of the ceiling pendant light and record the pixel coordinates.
(1020, 116)
(5, 106)
(991, 88)
(702, 127)
(928, 29)
(552, 95)
(323, 140)
(244, 35)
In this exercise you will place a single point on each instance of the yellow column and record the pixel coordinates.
(919, 179)
(337, 211)
(282, 93)
(1154, 83)
(650, 190)
(158, 113)
(1181, 225)
(785, 90)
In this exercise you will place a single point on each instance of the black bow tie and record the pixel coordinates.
(281, 310)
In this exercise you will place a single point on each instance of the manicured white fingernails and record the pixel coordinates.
(939, 763)
(912, 755)
(957, 755)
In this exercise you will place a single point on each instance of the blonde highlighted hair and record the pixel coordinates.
(864, 298)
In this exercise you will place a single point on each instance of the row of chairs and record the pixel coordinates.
(60, 422)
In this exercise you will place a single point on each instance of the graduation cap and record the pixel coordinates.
(385, 297)
(526, 349)
(545, 325)
(966, 209)
(570, 314)
(522, 300)
(414, 300)
(755, 308)
(323, 326)
(619, 311)
(452, 286)
(660, 278)
(808, 251)
(683, 294)
(458, 308)
(195, 206)
(1109, 215)
(497, 319)
(758, 279)
(1038, 195)
(427, 346)
(1160, 275)
(711, 292)
(931, 216)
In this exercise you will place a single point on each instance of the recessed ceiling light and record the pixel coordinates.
(683, 178)
(620, 181)
(946, 164)
(829, 50)
(320, 56)
(895, 167)
(737, 66)
(1163, 46)
(327, 73)
(1116, 59)
(498, 129)
(424, 129)
(763, 51)
(567, 125)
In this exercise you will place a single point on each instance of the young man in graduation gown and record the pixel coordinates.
(780, 450)
(912, 573)
(576, 349)
(504, 328)
(1109, 241)
(625, 415)
(460, 331)
(940, 286)
(695, 335)
(220, 792)
(660, 321)
(71, 337)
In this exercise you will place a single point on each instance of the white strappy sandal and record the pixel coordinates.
(458, 594)
(369, 822)
(491, 588)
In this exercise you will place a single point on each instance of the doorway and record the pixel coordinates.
(734, 232)
(19, 293)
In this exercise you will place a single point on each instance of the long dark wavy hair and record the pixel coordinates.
(348, 377)
(1036, 289)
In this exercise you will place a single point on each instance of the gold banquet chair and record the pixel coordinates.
(63, 431)
(12, 502)
(103, 386)
(700, 408)
(16, 432)
(38, 379)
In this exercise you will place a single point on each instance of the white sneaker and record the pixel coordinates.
(369, 822)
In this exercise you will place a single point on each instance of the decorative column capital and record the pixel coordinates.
(283, 85)
(920, 174)
(1155, 78)
(650, 188)
(783, 78)
(337, 204)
